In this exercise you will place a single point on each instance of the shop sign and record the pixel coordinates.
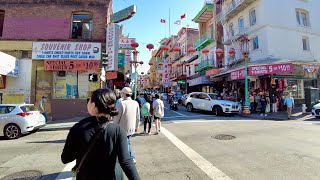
(111, 75)
(112, 39)
(3, 82)
(69, 65)
(310, 68)
(121, 57)
(199, 80)
(66, 50)
(125, 43)
(9, 65)
(128, 56)
(181, 81)
(270, 69)
(237, 74)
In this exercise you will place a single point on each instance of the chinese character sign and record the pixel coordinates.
(237, 74)
(112, 45)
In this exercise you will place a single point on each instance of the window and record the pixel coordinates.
(241, 25)
(1, 22)
(255, 43)
(24, 54)
(253, 19)
(302, 17)
(231, 30)
(6, 109)
(203, 96)
(82, 25)
(194, 95)
(305, 44)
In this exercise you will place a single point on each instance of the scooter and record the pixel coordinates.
(174, 105)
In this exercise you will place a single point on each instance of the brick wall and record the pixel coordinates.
(49, 21)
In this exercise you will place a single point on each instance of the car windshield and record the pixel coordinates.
(213, 96)
(27, 108)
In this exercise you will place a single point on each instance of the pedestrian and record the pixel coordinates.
(145, 111)
(263, 102)
(274, 103)
(96, 144)
(289, 102)
(251, 99)
(42, 107)
(158, 112)
(128, 117)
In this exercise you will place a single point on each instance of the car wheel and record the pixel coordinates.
(189, 107)
(12, 131)
(217, 110)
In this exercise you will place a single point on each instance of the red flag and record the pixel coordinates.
(162, 20)
(183, 16)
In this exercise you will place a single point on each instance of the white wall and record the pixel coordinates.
(279, 34)
(21, 84)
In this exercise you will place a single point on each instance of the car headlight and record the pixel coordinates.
(228, 105)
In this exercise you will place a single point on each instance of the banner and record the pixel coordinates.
(237, 74)
(66, 50)
(112, 39)
(270, 69)
(69, 65)
(125, 43)
(121, 57)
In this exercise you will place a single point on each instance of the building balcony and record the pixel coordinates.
(205, 39)
(234, 35)
(232, 9)
(204, 65)
(205, 14)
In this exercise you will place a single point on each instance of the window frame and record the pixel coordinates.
(307, 43)
(299, 18)
(90, 24)
(255, 42)
(231, 29)
(251, 17)
(241, 28)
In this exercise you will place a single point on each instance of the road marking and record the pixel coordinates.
(202, 163)
(175, 112)
(66, 173)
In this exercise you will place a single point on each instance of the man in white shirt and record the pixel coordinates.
(158, 112)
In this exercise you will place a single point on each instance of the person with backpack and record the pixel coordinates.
(158, 112)
(146, 114)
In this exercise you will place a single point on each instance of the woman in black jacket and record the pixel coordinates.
(100, 162)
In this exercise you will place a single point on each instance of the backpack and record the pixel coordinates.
(158, 111)
(144, 110)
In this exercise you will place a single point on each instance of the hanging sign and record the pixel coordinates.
(310, 68)
(270, 69)
(237, 74)
(69, 65)
(112, 39)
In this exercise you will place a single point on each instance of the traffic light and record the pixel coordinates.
(93, 77)
(104, 59)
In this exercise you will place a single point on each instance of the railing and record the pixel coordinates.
(226, 9)
(204, 64)
(233, 34)
(205, 37)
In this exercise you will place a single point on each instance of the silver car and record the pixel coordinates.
(18, 119)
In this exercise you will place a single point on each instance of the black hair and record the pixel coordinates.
(157, 96)
(105, 101)
(148, 98)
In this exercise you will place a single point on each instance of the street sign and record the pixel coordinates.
(181, 81)
(124, 14)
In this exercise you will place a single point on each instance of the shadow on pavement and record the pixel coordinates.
(313, 119)
(45, 142)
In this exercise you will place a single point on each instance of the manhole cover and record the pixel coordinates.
(24, 175)
(224, 137)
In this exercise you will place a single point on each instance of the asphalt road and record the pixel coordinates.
(187, 149)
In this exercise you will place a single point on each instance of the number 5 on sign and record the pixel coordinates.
(71, 65)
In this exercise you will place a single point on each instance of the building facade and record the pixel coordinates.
(62, 43)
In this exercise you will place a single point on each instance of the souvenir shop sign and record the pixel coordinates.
(310, 68)
(66, 50)
(270, 69)
(69, 65)
(237, 74)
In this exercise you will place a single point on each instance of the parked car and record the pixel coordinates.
(184, 99)
(211, 102)
(18, 119)
(316, 110)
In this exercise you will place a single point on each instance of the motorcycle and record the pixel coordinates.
(174, 104)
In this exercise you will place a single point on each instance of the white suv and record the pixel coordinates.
(316, 110)
(210, 102)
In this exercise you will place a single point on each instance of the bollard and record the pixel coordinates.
(304, 108)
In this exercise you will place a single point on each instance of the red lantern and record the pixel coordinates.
(177, 49)
(142, 73)
(205, 51)
(131, 62)
(164, 48)
(134, 44)
(141, 62)
(160, 63)
(150, 46)
(196, 64)
(219, 52)
(232, 51)
(187, 65)
(148, 73)
(169, 64)
(150, 63)
(191, 50)
(178, 65)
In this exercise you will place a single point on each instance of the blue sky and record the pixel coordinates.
(145, 25)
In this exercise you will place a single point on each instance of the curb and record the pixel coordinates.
(268, 118)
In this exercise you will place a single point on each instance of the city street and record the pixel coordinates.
(187, 149)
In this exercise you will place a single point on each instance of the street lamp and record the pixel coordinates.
(245, 49)
(135, 64)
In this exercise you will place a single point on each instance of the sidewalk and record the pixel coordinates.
(280, 115)
(57, 125)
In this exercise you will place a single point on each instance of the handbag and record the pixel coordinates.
(93, 142)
